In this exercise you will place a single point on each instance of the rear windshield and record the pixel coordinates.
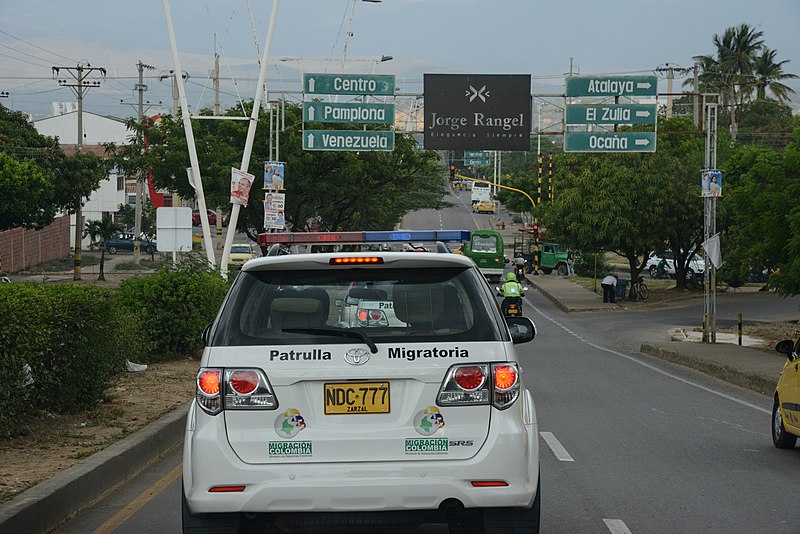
(387, 305)
(486, 244)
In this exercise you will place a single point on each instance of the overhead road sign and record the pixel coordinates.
(348, 84)
(610, 142)
(611, 114)
(612, 86)
(348, 112)
(351, 140)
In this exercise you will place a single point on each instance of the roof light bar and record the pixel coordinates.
(363, 237)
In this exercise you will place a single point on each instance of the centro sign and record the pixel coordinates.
(477, 111)
(319, 83)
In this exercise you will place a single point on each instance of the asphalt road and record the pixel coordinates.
(630, 444)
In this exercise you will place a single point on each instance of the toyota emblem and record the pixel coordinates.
(356, 356)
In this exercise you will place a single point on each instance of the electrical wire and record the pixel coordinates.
(39, 47)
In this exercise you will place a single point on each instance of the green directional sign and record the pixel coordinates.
(348, 112)
(610, 142)
(611, 114)
(612, 86)
(351, 140)
(482, 154)
(348, 84)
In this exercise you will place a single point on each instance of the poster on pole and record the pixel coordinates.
(274, 218)
(274, 175)
(241, 182)
(711, 183)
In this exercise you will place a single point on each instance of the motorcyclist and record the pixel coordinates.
(512, 291)
(519, 264)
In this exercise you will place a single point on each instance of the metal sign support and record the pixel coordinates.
(709, 230)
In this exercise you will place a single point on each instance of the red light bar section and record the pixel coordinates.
(355, 260)
(310, 237)
(271, 239)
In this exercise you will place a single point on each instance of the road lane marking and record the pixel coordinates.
(650, 366)
(558, 449)
(616, 526)
(135, 505)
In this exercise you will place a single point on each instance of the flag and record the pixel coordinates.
(713, 250)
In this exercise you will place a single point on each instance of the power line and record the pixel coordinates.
(39, 47)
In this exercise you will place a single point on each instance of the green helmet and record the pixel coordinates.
(511, 277)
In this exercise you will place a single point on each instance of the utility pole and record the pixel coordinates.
(215, 75)
(79, 73)
(696, 101)
(137, 221)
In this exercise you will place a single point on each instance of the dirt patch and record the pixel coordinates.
(770, 333)
(56, 442)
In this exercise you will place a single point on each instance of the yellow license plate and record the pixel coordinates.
(356, 397)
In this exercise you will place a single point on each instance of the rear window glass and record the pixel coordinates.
(484, 244)
(387, 305)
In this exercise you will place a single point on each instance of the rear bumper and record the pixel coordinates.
(510, 453)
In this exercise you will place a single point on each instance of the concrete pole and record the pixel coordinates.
(137, 219)
(251, 134)
(216, 85)
(670, 74)
(76, 275)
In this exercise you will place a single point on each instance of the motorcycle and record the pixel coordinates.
(519, 271)
(511, 306)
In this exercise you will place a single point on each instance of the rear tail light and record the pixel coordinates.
(368, 317)
(471, 385)
(234, 389)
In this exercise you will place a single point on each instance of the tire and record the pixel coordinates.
(216, 523)
(689, 275)
(653, 271)
(547, 270)
(112, 249)
(150, 249)
(780, 438)
(513, 520)
(642, 293)
(561, 269)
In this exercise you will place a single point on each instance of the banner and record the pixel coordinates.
(711, 183)
(713, 249)
(274, 218)
(477, 111)
(241, 182)
(274, 175)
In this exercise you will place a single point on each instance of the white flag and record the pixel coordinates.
(713, 250)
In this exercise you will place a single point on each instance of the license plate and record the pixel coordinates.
(356, 397)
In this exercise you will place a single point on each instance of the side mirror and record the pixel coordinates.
(785, 347)
(522, 329)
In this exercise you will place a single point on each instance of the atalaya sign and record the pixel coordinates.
(477, 112)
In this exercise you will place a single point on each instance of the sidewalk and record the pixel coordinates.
(746, 367)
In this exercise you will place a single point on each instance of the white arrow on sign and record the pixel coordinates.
(312, 82)
(640, 85)
(311, 113)
(640, 142)
(310, 140)
(643, 113)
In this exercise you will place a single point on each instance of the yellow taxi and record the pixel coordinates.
(786, 409)
(483, 206)
(240, 253)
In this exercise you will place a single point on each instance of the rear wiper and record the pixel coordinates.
(334, 331)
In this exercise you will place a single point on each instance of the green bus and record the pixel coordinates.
(485, 248)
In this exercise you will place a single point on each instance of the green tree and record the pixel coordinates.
(104, 229)
(26, 194)
(78, 177)
(768, 74)
(127, 214)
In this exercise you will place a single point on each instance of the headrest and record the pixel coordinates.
(297, 309)
(418, 304)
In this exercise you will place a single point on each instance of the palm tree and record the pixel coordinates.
(104, 228)
(767, 74)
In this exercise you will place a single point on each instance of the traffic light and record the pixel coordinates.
(452, 172)
(536, 232)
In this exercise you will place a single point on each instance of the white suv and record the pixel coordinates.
(696, 265)
(304, 422)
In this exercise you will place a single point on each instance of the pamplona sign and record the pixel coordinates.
(477, 111)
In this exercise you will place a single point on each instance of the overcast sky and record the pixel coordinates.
(435, 36)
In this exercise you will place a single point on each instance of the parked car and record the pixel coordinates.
(240, 254)
(212, 218)
(696, 265)
(786, 407)
(124, 241)
(302, 420)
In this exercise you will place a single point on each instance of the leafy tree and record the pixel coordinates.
(104, 228)
(346, 190)
(767, 122)
(762, 191)
(768, 74)
(127, 214)
(26, 194)
(80, 175)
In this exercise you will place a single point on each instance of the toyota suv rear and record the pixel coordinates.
(303, 421)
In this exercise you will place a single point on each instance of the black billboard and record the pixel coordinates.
(477, 111)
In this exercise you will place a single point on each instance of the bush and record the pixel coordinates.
(74, 339)
(174, 305)
(585, 264)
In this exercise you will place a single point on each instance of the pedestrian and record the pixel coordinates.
(570, 264)
(609, 285)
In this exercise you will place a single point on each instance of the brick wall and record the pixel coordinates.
(21, 248)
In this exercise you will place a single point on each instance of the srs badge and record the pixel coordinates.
(428, 421)
(356, 356)
(289, 423)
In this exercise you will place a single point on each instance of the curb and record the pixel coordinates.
(754, 382)
(45, 506)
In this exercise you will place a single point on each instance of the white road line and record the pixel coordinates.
(651, 367)
(616, 526)
(558, 449)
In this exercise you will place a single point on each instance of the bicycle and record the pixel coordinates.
(639, 290)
